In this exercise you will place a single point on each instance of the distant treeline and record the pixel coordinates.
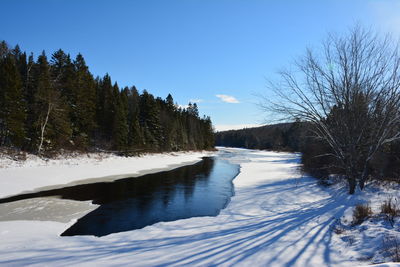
(316, 155)
(280, 137)
(46, 105)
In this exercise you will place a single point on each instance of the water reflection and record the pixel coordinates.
(202, 189)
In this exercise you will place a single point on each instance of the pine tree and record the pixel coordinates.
(169, 123)
(29, 94)
(62, 76)
(21, 64)
(85, 102)
(208, 133)
(150, 121)
(135, 136)
(3, 49)
(12, 104)
(170, 103)
(62, 81)
(50, 106)
(106, 107)
(52, 123)
(120, 127)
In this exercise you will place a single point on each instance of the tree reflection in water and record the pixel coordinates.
(202, 189)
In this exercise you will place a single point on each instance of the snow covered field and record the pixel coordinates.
(276, 218)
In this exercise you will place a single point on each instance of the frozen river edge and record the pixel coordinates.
(37, 174)
(277, 217)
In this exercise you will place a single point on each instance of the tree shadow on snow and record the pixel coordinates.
(296, 232)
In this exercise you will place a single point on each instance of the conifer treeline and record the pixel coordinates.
(46, 105)
(278, 137)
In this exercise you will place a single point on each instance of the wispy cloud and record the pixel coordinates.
(228, 99)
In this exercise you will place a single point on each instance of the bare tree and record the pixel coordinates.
(44, 119)
(350, 92)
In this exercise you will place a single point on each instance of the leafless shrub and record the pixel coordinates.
(389, 208)
(360, 213)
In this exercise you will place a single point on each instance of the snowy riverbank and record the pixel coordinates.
(276, 218)
(33, 173)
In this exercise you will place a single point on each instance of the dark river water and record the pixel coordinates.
(202, 189)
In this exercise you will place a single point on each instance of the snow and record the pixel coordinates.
(375, 237)
(277, 217)
(17, 177)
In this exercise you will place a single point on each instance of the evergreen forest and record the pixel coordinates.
(279, 137)
(49, 104)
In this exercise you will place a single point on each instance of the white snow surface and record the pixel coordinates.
(22, 176)
(277, 217)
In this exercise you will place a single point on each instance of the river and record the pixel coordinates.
(201, 189)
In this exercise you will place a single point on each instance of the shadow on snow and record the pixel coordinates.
(291, 235)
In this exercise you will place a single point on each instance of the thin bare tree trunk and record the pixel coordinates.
(43, 128)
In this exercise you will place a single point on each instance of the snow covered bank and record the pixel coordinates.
(21, 176)
(377, 239)
(276, 218)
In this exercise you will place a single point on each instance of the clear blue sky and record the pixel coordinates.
(193, 49)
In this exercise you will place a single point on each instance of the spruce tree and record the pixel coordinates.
(62, 76)
(51, 122)
(120, 127)
(106, 108)
(62, 81)
(135, 136)
(150, 121)
(50, 106)
(12, 104)
(85, 102)
(4, 50)
(21, 64)
(29, 94)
